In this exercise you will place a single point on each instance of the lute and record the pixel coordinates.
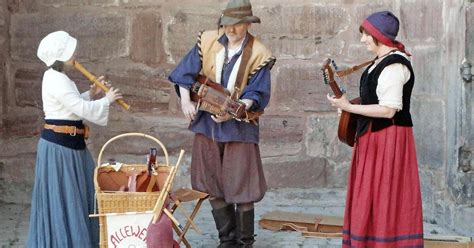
(347, 128)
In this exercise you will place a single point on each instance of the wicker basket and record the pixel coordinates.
(107, 182)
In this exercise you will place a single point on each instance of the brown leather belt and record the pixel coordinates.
(71, 130)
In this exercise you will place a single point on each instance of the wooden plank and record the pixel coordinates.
(331, 226)
(443, 241)
(444, 244)
(275, 220)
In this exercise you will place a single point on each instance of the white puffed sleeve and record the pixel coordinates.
(86, 95)
(62, 100)
(390, 85)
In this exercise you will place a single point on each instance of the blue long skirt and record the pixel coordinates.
(63, 197)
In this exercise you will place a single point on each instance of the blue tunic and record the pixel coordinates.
(258, 89)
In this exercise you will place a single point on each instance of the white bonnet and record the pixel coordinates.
(57, 45)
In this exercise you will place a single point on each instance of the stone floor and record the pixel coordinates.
(14, 220)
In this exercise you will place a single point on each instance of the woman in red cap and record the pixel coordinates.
(383, 205)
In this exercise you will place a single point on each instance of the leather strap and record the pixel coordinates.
(246, 53)
(354, 68)
(358, 67)
(306, 233)
(239, 12)
(71, 130)
(152, 182)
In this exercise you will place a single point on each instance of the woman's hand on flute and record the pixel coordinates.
(95, 91)
(113, 95)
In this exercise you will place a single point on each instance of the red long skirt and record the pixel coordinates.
(383, 205)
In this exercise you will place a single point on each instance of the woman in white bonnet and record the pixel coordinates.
(63, 193)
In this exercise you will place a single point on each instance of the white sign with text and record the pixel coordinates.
(128, 231)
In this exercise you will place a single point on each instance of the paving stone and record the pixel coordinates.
(15, 217)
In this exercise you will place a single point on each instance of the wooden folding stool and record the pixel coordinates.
(187, 195)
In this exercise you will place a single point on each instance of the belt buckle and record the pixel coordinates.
(86, 131)
(75, 132)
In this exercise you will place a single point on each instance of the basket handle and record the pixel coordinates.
(134, 135)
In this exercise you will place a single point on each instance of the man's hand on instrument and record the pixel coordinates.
(248, 103)
(221, 118)
(113, 95)
(341, 103)
(189, 108)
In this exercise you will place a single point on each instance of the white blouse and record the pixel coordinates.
(62, 100)
(390, 83)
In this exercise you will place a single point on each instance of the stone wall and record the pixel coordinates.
(4, 58)
(136, 43)
(460, 167)
(3, 54)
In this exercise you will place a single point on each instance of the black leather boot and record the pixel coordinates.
(225, 224)
(245, 228)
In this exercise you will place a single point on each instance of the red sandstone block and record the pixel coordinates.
(63, 3)
(27, 87)
(312, 27)
(281, 135)
(431, 152)
(299, 87)
(184, 26)
(143, 89)
(147, 46)
(101, 35)
(23, 125)
(428, 71)
(322, 141)
(170, 131)
(418, 14)
(15, 146)
(470, 30)
(301, 173)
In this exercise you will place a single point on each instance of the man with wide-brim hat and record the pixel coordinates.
(236, 12)
(226, 159)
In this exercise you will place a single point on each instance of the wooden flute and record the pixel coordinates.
(95, 81)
